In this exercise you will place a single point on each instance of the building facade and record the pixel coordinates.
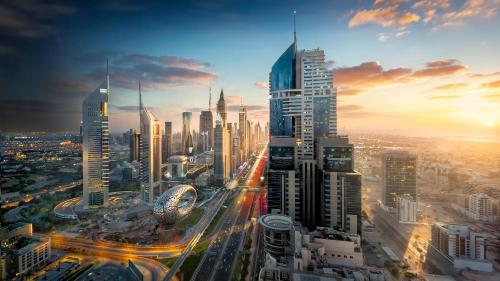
(398, 176)
(186, 128)
(167, 142)
(318, 189)
(134, 145)
(151, 154)
(96, 147)
(407, 209)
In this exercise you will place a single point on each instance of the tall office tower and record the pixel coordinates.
(303, 107)
(230, 159)
(186, 128)
(339, 185)
(243, 134)
(206, 137)
(221, 108)
(221, 153)
(189, 149)
(398, 176)
(167, 142)
(134, 143)
(96, 147)
(150, 153)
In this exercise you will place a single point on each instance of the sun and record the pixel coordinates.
(489, 123)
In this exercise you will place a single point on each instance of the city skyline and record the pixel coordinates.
(449, 88)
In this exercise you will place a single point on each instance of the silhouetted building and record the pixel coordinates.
(167, 142)
(134, 144)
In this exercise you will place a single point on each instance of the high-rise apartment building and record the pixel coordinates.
(302, 116)
(150, 153)
(186, 128)
(167, 142)
(398, 176)
(458, 241)
(96, 147)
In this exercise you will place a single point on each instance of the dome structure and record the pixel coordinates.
(175, 203)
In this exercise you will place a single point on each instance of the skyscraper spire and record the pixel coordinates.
(241, 100)
(294, 28)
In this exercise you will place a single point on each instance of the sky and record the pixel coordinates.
(410, 67)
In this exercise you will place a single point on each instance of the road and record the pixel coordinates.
(221, 255)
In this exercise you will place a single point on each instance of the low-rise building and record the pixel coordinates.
(21, 250)
(478, 206)
(460, 244)
(407, 209)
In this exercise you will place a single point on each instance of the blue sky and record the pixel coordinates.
(53, 54)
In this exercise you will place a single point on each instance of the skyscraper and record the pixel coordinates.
(134, 145)
(222, 142)
(167, 142)
(339, 185)
(302, 116)
(206, 138)
(96, 147)
(243, 134)
(150, 153)
(221, 108)
(186, 128)
(398, 176)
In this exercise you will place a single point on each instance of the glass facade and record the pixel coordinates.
(321, 116)
(280, 125)
(337, 159)
(283, 71)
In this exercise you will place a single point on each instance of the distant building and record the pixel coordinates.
(243, 133)
(186, 128)
(22, 250)
(206, 137)
(478, 206)
(407, 209)
(222, 153)
(221, 108)
(398, 176)
(96, 147)
(167, 142)
(150, 152)
(134, 144)
(460, 244)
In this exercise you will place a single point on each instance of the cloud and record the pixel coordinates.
(385, 17)
(445, 97)
(30, 18)
(261, 85)
(470, 9)
(382, 37)
(408, 18)
(453, 86)
(368, 74)
(156, 72)
(357, 79)
(492, 97)
(440, 68)
(489, 74)
(431, 4)
(493, 84)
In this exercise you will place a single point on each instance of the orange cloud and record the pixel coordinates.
(346, 91)
(440, 68)
(494, 84)
(368, 74)
(386, 16)
(453, 86)
(431, 4)
(492, 97)
(408, 18)
(445, 97)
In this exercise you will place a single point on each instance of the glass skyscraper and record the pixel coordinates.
(95, 136)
